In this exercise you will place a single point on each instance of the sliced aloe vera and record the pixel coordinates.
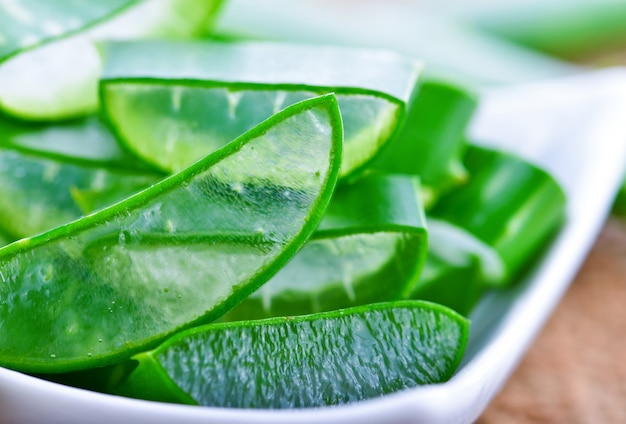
(86, 139)
(432, 140)
(174, 102)
(53, 174)
(308, 361)
(49, 66)
(509, 203)
(39, 193)
(370, 247)
(179, 253)
(458, 268)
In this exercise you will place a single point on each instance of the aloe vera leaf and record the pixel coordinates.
(306, 361)
(49, 66)
(38, 193)
(185, 99)
(458, 268)
(29, 23)
(508, 203)
(179, 253)
(361, 254)
(53, 174)
(86, 139)
(432, 140)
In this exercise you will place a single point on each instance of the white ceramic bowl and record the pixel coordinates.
(574, 128)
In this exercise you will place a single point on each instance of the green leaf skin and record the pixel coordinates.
(432, 140)
(307, 361)
(185, 99)
(508, 203)
(458, 268)
(177, 254)
(370, 247)
(49, 66)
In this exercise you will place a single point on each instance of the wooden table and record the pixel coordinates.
(575, 372)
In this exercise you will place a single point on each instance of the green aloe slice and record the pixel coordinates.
(458, 268)
(87, 139)
(49, 66)
(508, 203)
(308, 361)
(370, 247)
(38, 193)
(182, 252)
(173, 102)
(53, 174)
(432, 140)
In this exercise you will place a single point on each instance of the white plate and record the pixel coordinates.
(573, 127)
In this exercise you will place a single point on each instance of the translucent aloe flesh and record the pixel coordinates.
(307, 361)
(432, 140)
(508, 203)
(49, 65)
(458, 268)
(179, 253)
(172, 103)
(352, 260)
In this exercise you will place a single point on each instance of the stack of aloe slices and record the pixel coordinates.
(248, 183)
(38, 39)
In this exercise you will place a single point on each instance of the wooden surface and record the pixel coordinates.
(576, 370)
